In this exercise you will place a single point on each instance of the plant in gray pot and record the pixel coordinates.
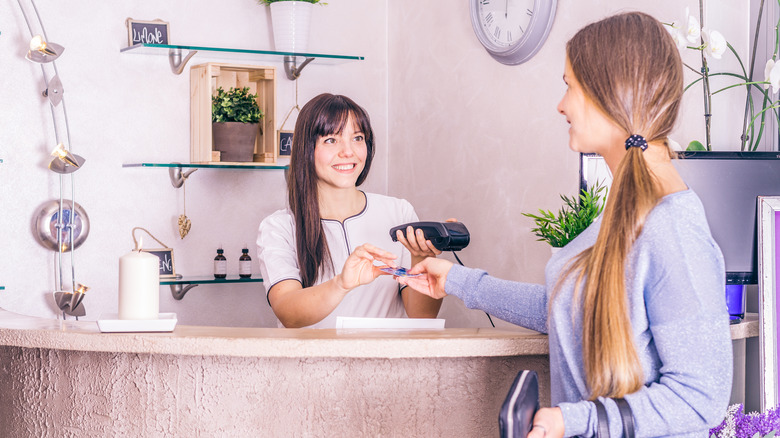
(235, 118)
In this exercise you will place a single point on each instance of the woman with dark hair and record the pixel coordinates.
(317, 257)
(635, 305)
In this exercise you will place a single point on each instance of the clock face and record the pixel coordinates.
(505, 21)
(512, 31)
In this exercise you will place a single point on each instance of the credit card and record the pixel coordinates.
(398, 272)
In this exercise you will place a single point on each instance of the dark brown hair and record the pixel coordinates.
(630, 68)
(324, 115)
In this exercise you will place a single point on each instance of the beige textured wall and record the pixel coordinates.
(481, 141)
(107, 394)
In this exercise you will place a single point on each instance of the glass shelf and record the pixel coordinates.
(210, 166)
(208, 280)
(180, 286)
(252, 55)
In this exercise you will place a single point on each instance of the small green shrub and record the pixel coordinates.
(235, 105)
(572, 219)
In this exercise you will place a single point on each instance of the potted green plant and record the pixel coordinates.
(235, 116)
(573, 218)
(290, 20)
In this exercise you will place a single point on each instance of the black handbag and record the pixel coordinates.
(626, 416)
(517, 413)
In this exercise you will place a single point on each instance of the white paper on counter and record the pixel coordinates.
(351, 322)
(110, 323)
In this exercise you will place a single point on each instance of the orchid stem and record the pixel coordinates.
(750, 78)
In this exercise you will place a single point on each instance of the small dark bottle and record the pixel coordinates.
(220, 265)
(245, 264)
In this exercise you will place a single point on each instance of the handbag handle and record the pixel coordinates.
(626, 416)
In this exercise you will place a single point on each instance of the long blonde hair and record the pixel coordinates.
(630, 68)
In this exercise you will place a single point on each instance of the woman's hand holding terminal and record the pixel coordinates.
(415, 242)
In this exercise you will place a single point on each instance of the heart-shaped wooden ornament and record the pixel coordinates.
(184, 225)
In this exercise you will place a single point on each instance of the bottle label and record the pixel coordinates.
(220, 267)
(245, 268)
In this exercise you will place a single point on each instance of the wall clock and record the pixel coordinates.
(512, 31)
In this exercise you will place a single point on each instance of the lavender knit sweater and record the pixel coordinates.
(676, 296)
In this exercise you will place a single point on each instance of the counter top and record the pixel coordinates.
(32, 332)
(748, 328)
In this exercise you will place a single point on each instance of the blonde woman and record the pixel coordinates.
(634, 306)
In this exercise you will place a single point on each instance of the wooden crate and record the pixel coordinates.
(204, 81)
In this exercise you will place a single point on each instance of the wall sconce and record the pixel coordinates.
(61, 225)
(43, 52)
(70, 302)
(64, 161)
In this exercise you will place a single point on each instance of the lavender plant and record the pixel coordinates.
(737, 424)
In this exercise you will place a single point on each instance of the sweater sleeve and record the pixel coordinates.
(523, 304)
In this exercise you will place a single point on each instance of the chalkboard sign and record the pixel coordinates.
(165, 255)
(285, 142)
(146, 32)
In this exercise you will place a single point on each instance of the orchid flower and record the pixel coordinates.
(714, 43)
(772, 75)
(693, 29)
(677, 36)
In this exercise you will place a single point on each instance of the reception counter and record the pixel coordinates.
(65, 378)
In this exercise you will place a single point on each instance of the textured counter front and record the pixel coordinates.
(65, 378)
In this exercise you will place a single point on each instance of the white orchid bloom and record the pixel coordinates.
(677, 36)
(714, 43)
(692, 30)
(772, 75)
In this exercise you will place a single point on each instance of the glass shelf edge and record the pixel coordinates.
(208, 280)
(254, 166)
(162, 49)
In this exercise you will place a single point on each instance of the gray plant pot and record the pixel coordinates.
(234, 140)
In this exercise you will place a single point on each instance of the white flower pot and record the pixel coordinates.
(290, 21)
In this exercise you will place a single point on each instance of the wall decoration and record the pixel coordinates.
(165, 254)
(285, 142)
(167, 269)
(72, 223)
(769, 285)
(146, 32)
(283, 137)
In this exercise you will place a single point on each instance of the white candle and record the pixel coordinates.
(139, 286)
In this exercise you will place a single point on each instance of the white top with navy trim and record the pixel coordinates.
(276, 252)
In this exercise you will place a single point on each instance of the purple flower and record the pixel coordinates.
(737, 424)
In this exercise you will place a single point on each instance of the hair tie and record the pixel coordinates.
(637, 141)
